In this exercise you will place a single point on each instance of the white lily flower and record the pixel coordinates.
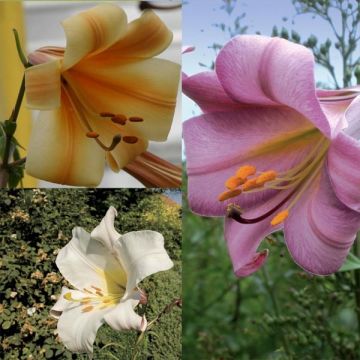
(105, 268)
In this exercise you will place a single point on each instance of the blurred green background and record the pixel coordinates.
(35, 225)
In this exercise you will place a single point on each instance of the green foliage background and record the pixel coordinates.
(34, 225)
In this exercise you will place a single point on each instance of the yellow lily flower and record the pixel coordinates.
(103, 96)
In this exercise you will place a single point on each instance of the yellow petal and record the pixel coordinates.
(92, 31)
(43, 86)
(60, 152)
(145, 89)
(145, 37)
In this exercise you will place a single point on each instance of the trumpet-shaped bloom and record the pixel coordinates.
(104, 95)
(271, 152)
(105, 268)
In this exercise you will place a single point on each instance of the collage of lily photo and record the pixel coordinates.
(180, 179)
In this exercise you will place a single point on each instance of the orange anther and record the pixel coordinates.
(119, 119)
(87, 309)
(250, 184)
(233, 182)
(92, 134)
(106, 114)
(229, 194)
(130, 139)
(266, 176)
(280, 217)
(244, 171)
(136, 119)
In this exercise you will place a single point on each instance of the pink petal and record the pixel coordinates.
(271, 71)
(205, 89)
(353, 119)
(320, 229)
(218, 143)
(244, 239)
(187, 49)
(343, 165)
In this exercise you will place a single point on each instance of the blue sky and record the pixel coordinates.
(261, 15)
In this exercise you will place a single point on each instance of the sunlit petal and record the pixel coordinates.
(43, 86)
(92, 31)
(60, 152)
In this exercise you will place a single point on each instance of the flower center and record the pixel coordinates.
(119, 119)
(97, 299)
(296, 179)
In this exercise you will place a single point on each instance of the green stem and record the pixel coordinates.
(357, 280)
(276, 307)
(4, 168)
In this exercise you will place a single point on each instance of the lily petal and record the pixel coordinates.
(60, 152)
(243, 239)
(77, 329)
(142, 254)
(205, 89)
(145, 37)
(133, 89)
(92, 31)
(214, 153)
(343, 165)
(352, 117)
(105, 232)
(320, 229)
(87, 263)
(272, 71)
(123, 316)
(43, 86)
(61, 304)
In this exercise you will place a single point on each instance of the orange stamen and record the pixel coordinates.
(136, 119)
(87, 309)
(130, 139)
(92, 134)
(279, 218)
(265, 177)
(250, 184)
(119, 119)
(244, 171)
(106, 114)
(229, 194)
(233, 182)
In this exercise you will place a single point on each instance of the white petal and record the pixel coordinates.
(105, 231)
(123, 316)
(85, 262)
(77, 329)
(142, 253)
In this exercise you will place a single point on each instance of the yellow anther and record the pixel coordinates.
(250, 184)
(233, 182)
(229, 194)
(244, 171)
(99, 293)
(266, 176)
(92, 134)
(87, 309)
(67, 296)
(84, 302)
(280, 217)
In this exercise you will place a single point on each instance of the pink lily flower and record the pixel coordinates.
(272, 152)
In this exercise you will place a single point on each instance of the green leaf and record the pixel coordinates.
(16, 173)
(6, 325)
(352, 263)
